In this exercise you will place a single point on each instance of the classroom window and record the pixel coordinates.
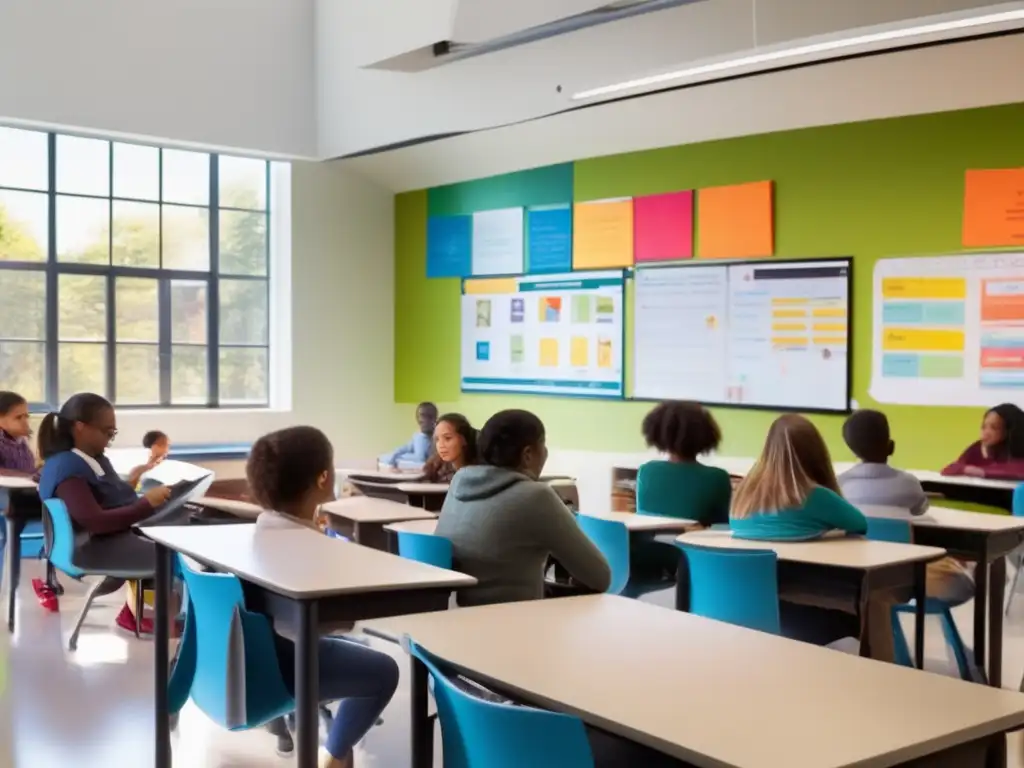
(137, 272)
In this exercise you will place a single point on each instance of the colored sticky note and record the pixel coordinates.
(579, 351)
(735, 222)
(663, 227)
(604, 353)
(602, 234)
(549, 353)
(549, 239)
(498, 242)
(449, 246)
(994, 208)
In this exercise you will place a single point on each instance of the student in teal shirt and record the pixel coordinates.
(681, 486)
(791, 493)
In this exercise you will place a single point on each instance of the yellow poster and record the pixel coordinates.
(604, 353)
(602, 234)
(579, 352)
(549, 353)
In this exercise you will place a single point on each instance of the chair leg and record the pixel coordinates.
(104, 586)
(899, 641)
(139, 606)
(954, 641)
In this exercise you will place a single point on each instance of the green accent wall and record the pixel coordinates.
(868, 190)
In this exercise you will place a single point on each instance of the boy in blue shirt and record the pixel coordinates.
(421, 446)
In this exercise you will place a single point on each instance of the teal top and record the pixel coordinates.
(691, 490)
(823, 511)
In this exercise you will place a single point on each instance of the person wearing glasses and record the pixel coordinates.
(102, 506)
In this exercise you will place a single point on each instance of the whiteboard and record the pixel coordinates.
(948, 330)
(764, 334)
(544, 334)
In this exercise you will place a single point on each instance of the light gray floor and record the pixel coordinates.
(92, 708)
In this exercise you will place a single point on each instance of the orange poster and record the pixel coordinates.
(735, 222)
(994, 208)
(602, 234)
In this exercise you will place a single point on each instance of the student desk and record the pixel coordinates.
(986, 540)
(980, 490)
(302, 579)
(244, 510)
(686, 684)
(15, 525)
(636, 523)
(851, 562)
(378, 475)
(362, 518)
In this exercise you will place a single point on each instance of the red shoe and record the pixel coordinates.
(126, 621)
(46, 596)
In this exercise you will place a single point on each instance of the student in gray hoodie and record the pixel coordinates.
(503, 522)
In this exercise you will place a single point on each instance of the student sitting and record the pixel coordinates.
(1000, 451)
(291, 473)
(874, 483)
(420, 448)
(682, 486)
(102, 506)
(503, 522)
(454, 448)
(791, 494)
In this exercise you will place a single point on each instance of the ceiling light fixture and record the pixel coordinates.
(830, 46)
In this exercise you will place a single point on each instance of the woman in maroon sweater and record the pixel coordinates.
(999, 454)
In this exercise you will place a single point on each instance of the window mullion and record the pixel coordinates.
(213, 289)
(52, 386)
(164, 309)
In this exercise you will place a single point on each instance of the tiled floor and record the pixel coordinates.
(92, 708)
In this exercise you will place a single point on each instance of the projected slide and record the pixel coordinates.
(544, 334)
(761, 334)
(949, 330)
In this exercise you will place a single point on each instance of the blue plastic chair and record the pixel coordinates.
(483, 734)
(612, 538)
(227, 662)
(62, 557)
(1017, 510)
(738, 586)
(425, 548)
(899, 532)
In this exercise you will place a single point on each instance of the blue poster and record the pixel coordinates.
(449, 246)
(549, 236)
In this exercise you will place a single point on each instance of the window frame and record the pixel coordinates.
(52, 269)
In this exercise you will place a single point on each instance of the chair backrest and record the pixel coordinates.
(425, 548)
(1017, 506)
(483, 734)
(612, 538)
(738, 586)
(237, 681)
(889, 529)
(62, 548)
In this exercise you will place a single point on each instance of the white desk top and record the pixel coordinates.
(379, 474)
(968, 521)
(366, 509)
(687, 684)
(928, 476)
(413, 526)
(300, 563)
(231, 506)
(840, 552)
(636, 522)
(423, 488)
(12, 482)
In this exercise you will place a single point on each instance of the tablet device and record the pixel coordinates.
(172, 511)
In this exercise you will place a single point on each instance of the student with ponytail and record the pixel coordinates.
(102, 506)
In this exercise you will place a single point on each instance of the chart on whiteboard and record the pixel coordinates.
(753, 333)
(948, 330)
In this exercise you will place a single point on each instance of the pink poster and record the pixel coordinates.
(663, 227)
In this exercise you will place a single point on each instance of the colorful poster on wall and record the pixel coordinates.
(736, 221)
(498, 242)
(602, 234)
(949, 330)
(549, 238)
(449, 246)
(994, 208)
(544, 334)
(663, 227)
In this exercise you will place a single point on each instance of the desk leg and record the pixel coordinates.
(307, 685)
(980, 607)
(996, 589)
(920, 597)
(14, 529)
(422, 727)
(162, 660)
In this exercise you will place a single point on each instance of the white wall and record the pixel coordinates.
(229, 74)
(342, 327)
